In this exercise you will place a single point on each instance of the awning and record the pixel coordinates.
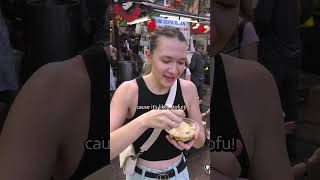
(161, 9)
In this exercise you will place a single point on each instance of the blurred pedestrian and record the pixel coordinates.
(8, 75)
(277, 23)
(197, 69)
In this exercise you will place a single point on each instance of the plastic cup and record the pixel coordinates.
(186, 130)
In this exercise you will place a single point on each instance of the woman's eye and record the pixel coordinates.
(181, 63)
(166, 62)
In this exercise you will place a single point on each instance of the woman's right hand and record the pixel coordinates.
(162, 119)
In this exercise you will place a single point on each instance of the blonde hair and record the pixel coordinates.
(147, 69)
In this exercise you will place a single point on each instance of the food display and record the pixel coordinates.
(185, 131)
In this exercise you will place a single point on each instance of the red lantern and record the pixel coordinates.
(201, 29)
(151, 25)
(116, 8)
(175, 3)
(178, 3)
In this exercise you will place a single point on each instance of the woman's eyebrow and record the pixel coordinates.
(170, 58)
(166, 57)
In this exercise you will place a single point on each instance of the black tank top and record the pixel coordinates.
(161, 149)
(222, 117)
(96, 63)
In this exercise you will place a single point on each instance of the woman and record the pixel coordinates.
(167, 56)
(245, 106)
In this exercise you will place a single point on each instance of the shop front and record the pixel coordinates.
(145, 18)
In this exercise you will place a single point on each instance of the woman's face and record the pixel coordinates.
(168, 60)
(224, 20)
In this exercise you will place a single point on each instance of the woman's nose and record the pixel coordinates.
(173, 68)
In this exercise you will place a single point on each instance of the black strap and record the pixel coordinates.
(141, 85)
(97, 66)
(240, 38)
(220, 104)
(96, 63)
(222, 115)
(165, 175)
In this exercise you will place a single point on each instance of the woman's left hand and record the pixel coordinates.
(180, 145)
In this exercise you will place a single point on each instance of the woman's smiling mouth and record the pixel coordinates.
(169, 78)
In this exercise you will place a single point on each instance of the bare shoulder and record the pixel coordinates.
(187, 86)
(189, 92)
(72, 73)
(252, 83)
(67, 83)
(51, 95)
(132, 84)
(249, 73)
(61, 73)
(127, 89)
(256, 101)
(125, 99)
(42, 113)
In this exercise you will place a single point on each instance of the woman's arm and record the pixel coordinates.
(122, 136)
(189, 91)
(270, 158)
(249, 51)
(35, 126)
(226, 163)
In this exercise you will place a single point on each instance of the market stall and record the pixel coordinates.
(136, 20)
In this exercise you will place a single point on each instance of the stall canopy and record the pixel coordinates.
(162, 9)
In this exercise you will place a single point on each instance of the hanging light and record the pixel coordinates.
(140, 20)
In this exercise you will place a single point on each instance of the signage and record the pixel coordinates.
(183, 26)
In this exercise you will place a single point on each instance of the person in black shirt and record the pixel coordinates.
(277, 23)
(197, 69)
(133, 117)
(9, 80)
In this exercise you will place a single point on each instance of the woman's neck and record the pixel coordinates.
(154, 85)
